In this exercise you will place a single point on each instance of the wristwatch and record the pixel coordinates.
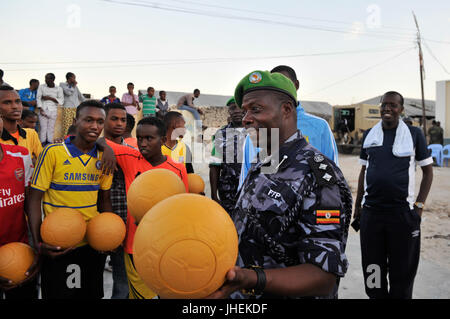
(260, 282)
(419, 205)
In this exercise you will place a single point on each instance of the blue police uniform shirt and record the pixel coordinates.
(277, 214)
(390, 180)
(315, 130)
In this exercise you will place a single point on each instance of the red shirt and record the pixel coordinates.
(16, 169)
(131, 141)
(132, 164)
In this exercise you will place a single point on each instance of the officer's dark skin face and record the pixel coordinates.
(390, 110)
(263, 110)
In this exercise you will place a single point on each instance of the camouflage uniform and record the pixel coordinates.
(434, 134)
(227, 154)
(298, 215)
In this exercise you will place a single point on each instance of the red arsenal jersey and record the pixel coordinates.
(16, 169)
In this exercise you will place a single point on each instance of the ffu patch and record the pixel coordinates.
(328, 216)
(273, 194)
(98, 165)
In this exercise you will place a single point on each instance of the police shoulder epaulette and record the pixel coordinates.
(322, 170)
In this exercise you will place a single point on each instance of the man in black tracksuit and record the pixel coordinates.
(389, 214)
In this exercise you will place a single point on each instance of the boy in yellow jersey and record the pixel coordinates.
(13, 134)
(173, 145)
(69, 174)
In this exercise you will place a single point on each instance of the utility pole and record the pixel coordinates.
(424, 119)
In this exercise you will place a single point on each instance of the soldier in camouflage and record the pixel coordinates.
(226, 159)
(293, 223)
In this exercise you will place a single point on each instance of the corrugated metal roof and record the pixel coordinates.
(322, 109)
(413, 107)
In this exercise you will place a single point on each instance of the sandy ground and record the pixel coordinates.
(435, 218)
(436, 215)
(432, 280)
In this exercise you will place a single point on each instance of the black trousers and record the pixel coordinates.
(27, 291)
(390, 249)
(75, 275)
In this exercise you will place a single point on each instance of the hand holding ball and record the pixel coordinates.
(15, 259)
(184, 246)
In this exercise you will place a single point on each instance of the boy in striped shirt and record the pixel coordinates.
(149, 103)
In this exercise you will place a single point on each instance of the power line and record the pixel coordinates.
(435, 58)
(307, 18)
(278, 14)
(180, 60)
(360, 72)
(259, 20)
(372, 33)
(436, 41)
(194, 61)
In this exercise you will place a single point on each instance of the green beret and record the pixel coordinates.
(231, 100)
(264, 80)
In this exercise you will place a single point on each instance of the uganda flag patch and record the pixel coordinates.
(328, 216)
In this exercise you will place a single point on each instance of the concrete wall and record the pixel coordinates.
(443, 107)
(214, 116)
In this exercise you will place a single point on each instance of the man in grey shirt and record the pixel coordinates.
(72, 98)
(186, 102)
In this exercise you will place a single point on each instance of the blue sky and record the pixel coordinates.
(369, 45)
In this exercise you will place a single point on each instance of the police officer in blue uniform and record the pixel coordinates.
(294, 208)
